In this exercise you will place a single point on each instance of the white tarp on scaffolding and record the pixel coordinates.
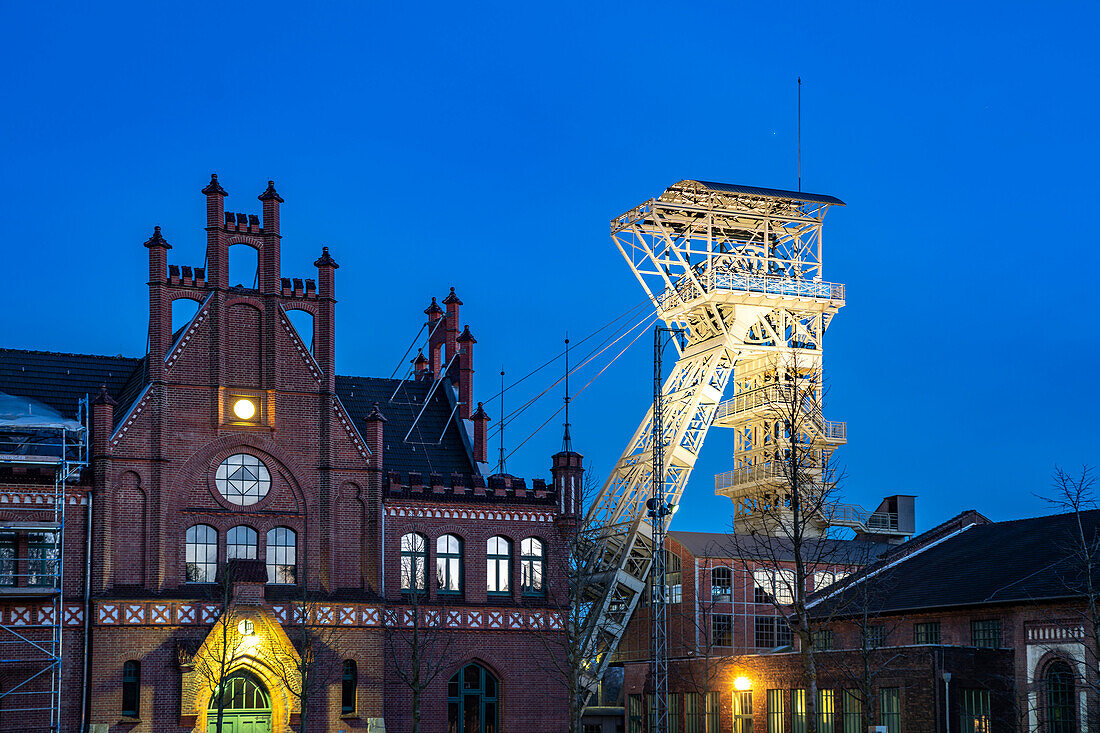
(23, 413)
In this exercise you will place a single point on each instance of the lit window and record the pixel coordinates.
(349, 683)
(742, 711)
(976, 717)
(775, 711)
(673, 578)
(773, 586)
(533, 566)
(131, 689)
(414, 562)
(798, 711)
(823, 579)
(243, 479)
(201, 554)
(448, 563)
(826, 711)
(282, 556)
(240, 543)
(889, 707)
(473, 697)
(853, 712)
(498, 553)
(823, 640)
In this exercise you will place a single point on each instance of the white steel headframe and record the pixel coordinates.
(739, 270)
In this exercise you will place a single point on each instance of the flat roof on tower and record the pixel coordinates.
(775, 193)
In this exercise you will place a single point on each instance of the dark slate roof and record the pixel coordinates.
(724, 546)
(60, 380)
(777, 193)
(1019, 561)
(430, 449)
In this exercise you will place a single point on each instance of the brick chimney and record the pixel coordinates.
(481, 434)
(452, 302)
(420, 365)
(160, 308)
(217, 257)
(103, 422)
(324, 330)
(466, 372)
(568, 472)
(375, 438)
(436, 338)
(269, 258)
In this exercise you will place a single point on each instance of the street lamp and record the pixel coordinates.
(742, 683)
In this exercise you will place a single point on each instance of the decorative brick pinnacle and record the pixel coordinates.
(480, 414)
(104, 398)
(466, 337)
(452, 298)
(325, 260)
(420, 358)
(433, 308)
(157, 240)
(214, 187)
(376, 415)
(270, 194)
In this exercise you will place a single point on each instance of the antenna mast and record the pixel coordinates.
(800, 134)
(500, 464)
(566, 439)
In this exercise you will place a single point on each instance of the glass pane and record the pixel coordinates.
(471, 678)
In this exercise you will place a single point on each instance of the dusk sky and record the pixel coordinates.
(487, 146)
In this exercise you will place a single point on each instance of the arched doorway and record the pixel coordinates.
(473, 701)
(247, 706)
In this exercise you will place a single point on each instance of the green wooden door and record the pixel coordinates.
(247, 706)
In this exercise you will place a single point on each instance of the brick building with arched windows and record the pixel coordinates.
(253, 538)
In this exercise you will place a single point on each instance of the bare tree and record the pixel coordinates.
(704, 669)
(314, 662)
(783, 538)
(417, 642)
(225, 646)
(569, 588)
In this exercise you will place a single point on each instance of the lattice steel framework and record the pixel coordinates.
(739, 270)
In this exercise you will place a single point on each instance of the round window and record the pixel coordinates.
(243, 479)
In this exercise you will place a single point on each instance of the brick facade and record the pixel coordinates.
(342, 477)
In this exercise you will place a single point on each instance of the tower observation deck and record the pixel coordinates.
(739, 270)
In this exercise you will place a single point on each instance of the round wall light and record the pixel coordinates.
(742, 683)
(246, 627)
(244, 409)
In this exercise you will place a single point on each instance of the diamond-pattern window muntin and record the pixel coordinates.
(243, 479)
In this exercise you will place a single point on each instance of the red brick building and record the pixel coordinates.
(235, 488)
(973, 626)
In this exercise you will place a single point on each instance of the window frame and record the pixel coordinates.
(926, 632)
(727, 632)
(723, 589)
(412, 554)
(349, 687)
(449, 566)
(528, 561)
(131, 688)
(212, 575)
(290, 556)
(494, 561)
(986, 630)
(889, 708)
(775, 711)
(249, 532)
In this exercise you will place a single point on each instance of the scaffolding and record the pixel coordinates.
(41, 453)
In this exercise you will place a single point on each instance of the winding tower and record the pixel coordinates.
(739, 270)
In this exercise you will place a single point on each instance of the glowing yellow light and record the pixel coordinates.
(742, 683)
(244, 409)
(246, 627)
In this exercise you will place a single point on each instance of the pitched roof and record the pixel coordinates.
(722, 545)
(60, 380)
(438, 444)
(1019, 561)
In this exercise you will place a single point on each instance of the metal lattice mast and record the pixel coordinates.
(738, 269)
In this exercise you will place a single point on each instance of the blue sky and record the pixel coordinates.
(487, 146)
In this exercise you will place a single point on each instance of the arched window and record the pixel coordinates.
(243, 266)
(472, 696)
(201, 554)
(721, 583)
(414, 562)
(282, 556)
(533, 566)
(348, 685)
(498, 552)
(240, 543)
(1061, 716)
(448, 563)
(131, 689)
(242, 692)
